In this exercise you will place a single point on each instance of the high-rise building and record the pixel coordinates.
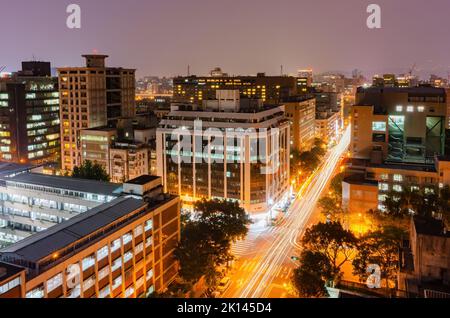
(398, 142)
(29, 115)
(270, 89)
(240, 151)
(120, 249)
(92, 96)
(301, 113)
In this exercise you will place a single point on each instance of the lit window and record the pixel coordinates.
(397, 188)
(399, 108)
(88, 262)
(384, 176)
(103, 272)
(398, 177)
(383, 187)
(138, 231)
(379, 126)
(410, 109)
(54, 282)
(102, 253)
(117, 282)
(421, 109)
(148, 225)
(115, 245)
(36, 293)
(127, 238)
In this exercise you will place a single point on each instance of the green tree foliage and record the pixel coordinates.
(206, 239)
(335, 244)
(381, 248)
(91, 171)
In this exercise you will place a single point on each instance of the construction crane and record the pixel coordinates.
(2, 68)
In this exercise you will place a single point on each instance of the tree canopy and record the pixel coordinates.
(334, 243)
(206, 239)
(381, 248)
(91, 171)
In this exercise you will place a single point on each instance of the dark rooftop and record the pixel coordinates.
(425, 90)
(430, 226)
(8, 168)
(43, 244)
(144, 179)
(74, 184)
(359, 178)
(8, 270)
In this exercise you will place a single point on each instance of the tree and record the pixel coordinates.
(310, 277)
(309, 161)
(206, 239)
(336, 184)
(227, 216)
(381, 248)
(91, 171)
(334, 242)
(331, 207)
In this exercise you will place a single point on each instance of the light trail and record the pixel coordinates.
(256, 285)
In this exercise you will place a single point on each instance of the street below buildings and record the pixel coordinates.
(264, 265)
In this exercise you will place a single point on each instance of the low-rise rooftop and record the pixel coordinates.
(67, 183)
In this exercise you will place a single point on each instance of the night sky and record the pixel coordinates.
(242, 36)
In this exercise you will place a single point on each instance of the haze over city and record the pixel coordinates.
(243, 37)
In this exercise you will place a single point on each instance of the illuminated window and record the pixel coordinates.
(383, 187)
(421, 109)
(379, 126)
(398, 177)
(54, 282)
(410, 109)
(399, 108)
(397, 188)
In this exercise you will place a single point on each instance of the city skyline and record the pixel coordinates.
(245, 38)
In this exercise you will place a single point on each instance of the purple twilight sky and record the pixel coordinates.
(161, 37)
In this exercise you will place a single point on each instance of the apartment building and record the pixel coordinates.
(96, 144)
(398, 140)
(29, 116)
(327, 126)
(229, 148)
(92, 96)
(124, 152)
(129, 160)
(121, 249)
(301, 113)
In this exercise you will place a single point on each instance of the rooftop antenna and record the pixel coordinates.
(188, 70)
(281, 69)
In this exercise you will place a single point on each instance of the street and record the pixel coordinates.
(264, 266)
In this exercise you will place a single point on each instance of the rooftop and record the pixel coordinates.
(430, 226)
(8, 270)
(425, 90)
(68, 183)
(360, 179)
(8, 168)
(143, 180)
(46, 243)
